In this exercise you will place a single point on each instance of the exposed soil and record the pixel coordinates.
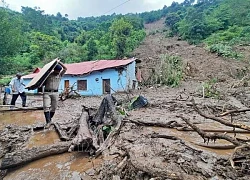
(147, 152)
(198, 62)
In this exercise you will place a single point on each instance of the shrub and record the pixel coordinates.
(224, 50)
(209, 89)
(170, 71)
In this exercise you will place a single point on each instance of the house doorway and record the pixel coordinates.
(66, 86)
(106, 86)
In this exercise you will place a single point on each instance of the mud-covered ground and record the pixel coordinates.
(142, 151)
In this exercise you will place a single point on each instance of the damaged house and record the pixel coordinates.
(96, 77)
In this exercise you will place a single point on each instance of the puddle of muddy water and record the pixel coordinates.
(43, 138)
(21, 118)
(64, 166)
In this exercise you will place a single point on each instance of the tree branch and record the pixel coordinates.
(220, 120)
(234, 111)
(212, 136)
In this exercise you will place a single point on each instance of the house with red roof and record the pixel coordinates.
(96, 77)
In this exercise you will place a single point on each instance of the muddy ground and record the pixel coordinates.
(150, 152)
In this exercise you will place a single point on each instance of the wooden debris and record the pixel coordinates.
(15, 159)
(220, 120)
(83, 134)
(22, 109)
(234, 111)
(211, 136)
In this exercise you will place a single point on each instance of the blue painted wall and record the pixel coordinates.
(120, 80)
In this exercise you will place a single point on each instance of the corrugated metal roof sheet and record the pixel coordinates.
(29, 76)
(90, 66)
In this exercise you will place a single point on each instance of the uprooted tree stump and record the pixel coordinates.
(88, 133)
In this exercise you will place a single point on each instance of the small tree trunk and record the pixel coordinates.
(21, 157)
(83, 134)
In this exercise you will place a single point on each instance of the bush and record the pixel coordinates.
(224, 50)
(170, 71)
(210, 89)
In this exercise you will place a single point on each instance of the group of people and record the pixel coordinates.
(50, 93)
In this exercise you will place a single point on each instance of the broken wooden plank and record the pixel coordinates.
(22, 109)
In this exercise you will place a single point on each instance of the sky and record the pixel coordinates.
(87, 8)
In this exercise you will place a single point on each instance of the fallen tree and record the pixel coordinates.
(92, 132)
(18, 158)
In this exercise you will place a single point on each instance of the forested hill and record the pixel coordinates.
(32, 37)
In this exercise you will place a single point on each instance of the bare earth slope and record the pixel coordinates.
(198, 62)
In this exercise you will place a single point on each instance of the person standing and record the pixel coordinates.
(7, 92)
(51, 95)
(17, 87)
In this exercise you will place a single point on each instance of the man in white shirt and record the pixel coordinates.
(17, 87)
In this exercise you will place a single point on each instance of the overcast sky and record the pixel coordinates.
(86, 8)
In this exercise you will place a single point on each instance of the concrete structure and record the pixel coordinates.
(96, 77)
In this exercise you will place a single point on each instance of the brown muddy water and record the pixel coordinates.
(21, 118)
(65, 166)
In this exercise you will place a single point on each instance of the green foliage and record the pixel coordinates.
(11, 39)
(134, 40)
(151, 16)
(32, 38)
(92, 49)
(120, 30)
(170, 71)
(207, 18)
(72, 53)
(5, 80)
(225, 36)
(224, 50)
(82, 38)
(171, 20)
(210, 90)
(43, 45)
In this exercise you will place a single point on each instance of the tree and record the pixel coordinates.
(120, 30)
(10, 34)
(92, 49)
(172, 19)
(81, 39)
(43, 45)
